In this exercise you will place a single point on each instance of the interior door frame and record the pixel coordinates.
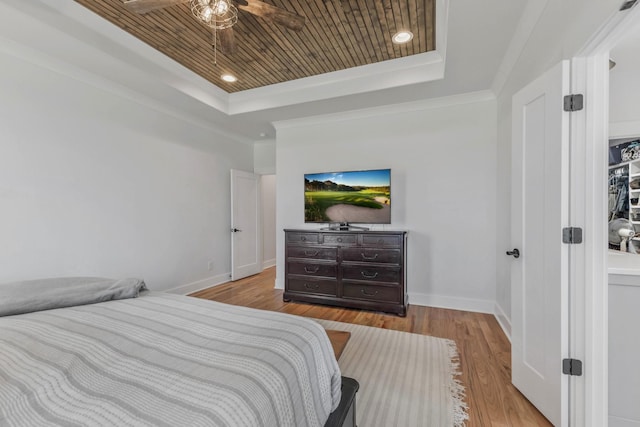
(588, 302)
(588, 285)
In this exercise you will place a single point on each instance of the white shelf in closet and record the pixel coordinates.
(634, 168)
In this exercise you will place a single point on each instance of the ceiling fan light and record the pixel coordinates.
(217, 14)
(402, 37)
(206, 14)
(221, 8)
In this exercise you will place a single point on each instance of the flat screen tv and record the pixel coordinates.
(362, 197)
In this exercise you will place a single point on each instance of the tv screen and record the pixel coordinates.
(348, 197)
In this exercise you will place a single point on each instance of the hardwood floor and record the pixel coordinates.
(485, 352)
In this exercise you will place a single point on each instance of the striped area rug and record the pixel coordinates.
(406, 379)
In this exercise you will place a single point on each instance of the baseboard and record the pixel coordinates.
(268, 263)
(503, 320)
(200, 284)
(279, 284)
(453, 303)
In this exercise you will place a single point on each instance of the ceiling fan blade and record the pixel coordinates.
(277, 15)
(227, 41)
(144, 6)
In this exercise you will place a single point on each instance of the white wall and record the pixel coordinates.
(443, 161)
(624, 110)
(624, 375)
(268, 194)
(264, 163)
(95, 184)
(624, 88)
(264, 157)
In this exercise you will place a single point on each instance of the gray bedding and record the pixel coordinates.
(165, 360)
(45, 294)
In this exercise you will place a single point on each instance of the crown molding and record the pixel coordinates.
(427, 104)
(419, 68)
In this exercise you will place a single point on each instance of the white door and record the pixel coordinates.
(246, 230)
(539, 211)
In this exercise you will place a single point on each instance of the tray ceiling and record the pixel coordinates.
(339, 34)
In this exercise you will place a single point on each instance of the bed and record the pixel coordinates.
(156, 359)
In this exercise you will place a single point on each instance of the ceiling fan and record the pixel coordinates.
(221, 15)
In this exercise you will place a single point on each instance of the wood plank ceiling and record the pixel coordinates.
(338, 34)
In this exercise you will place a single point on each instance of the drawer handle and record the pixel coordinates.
(311, 270)
(303, 238)
(339, 239)
(369, 257)
(310, 253)
(369, 275)
(312, 287)
(364, 292)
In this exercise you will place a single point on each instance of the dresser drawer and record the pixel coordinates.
(389, 294)
(311, 252)
(382, 240)
(383, 256)
(387, 274)
(312, 286)
(301, 237)
(312, 269)
(340, 238)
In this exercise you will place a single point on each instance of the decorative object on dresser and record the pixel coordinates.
(356, 269)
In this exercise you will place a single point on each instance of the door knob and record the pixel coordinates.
(515, 253)
(235, 230)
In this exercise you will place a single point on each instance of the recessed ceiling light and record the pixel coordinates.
(229, 78)
(402, 37)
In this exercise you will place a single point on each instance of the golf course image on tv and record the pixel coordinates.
(348, 197)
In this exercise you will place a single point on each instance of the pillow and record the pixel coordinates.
(46, 294)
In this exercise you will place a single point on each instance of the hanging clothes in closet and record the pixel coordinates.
(619, 193)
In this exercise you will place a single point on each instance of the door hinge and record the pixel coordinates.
(572, 235)
(628, 5)
(573, 102)
(572, 367)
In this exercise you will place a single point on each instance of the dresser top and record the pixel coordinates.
(311, 230)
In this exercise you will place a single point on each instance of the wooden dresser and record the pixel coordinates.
(357, 269)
